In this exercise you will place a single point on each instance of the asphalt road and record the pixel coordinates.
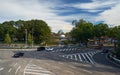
(60, 61)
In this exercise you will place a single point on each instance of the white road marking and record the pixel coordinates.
(84, 57)
(87, 71)
(1, 69)
(36, 70)
(15, 64)
(67, 56)
(89, 58)
(75, 56)
(17, 70)
(79, 57)
(34, 73)
(10, 70)
(90, 54)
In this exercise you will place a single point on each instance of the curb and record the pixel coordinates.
(114, 59)
(19, 49)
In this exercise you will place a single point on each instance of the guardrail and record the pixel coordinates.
(114, 59)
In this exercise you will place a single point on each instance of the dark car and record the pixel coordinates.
(105, 51)
(18, 54)
(40, 48)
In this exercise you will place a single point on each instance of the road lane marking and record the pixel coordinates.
(67, 56)
(1, 69)
(84, 57)
(75, 56)
(15, 64)
(34, 73)
(17, 70)
(80, 57)
(90, 54)
(10, 70)
(87, 71)
(36, 70)
(89, 58)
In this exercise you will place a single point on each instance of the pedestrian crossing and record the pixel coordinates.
(69, 49)
(32, 69)
(81, 57)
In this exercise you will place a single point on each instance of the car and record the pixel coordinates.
(18, 54)
(40, 48)
(105, 51)
(48, 48)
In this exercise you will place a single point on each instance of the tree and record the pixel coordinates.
(41, 31)
(7, 39)
(16, 29)
(9, 29)
(2, 32)
(29, 39)
(83, 31)
(100, 30)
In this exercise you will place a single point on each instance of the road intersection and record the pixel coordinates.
(60, 61)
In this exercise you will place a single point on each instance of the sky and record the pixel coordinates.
(59, 14)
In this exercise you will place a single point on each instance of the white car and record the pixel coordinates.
(48, 48)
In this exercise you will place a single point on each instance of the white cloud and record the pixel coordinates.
(34, 9)
(111, 16)
(95, 5)
(46, 10)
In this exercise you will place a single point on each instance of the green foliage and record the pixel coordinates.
(101, 30)
(38, 28)
(7, 39)
(83, 31)
(29, 39)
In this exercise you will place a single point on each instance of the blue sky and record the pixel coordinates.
(59, 13)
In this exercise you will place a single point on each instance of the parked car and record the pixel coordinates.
(40, 48)
(18, 54)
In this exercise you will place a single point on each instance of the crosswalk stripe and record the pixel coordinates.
(80, 57)
(90, 54)
(84, 57)
(75, 56)
(67, 56)
(89, 58)
(35, 70)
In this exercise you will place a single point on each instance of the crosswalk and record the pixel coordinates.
(32, 69)
(81, 57)
(65, 49)
(68, 49)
